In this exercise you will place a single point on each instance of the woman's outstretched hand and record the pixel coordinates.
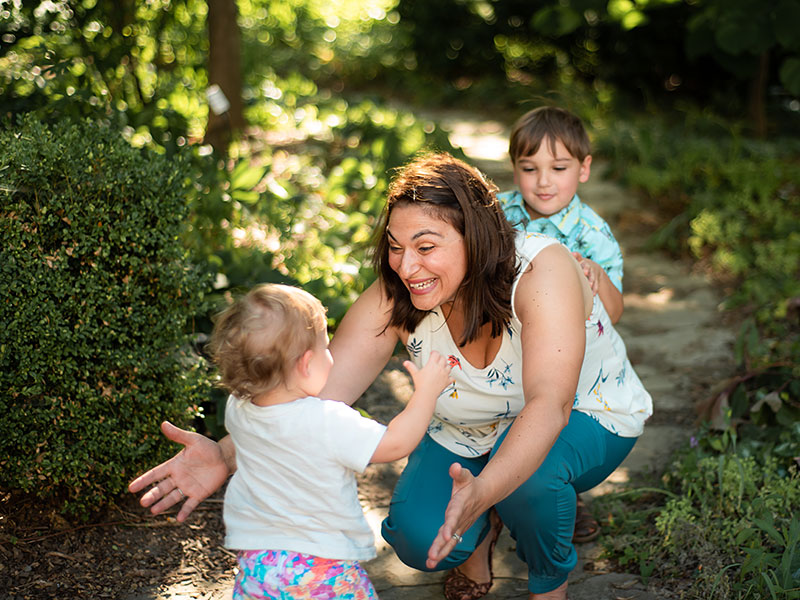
(193, 474)
(463, 510)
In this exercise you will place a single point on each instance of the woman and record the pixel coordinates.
(545, 403)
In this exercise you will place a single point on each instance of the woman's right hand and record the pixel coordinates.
(193, 474)
(466, 505)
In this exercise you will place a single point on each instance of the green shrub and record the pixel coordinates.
(97, 292)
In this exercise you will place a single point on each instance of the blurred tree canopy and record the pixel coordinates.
(723, 53)
(150, 63)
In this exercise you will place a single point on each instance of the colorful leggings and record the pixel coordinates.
(285, 575)
(540, 513)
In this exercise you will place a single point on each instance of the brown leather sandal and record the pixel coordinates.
(586, 526)
(458, 586)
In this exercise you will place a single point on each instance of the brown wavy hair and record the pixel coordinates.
(258, 339)
(452, 191)
(552, 123)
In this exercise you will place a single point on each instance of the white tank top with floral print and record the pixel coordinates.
(480, 405)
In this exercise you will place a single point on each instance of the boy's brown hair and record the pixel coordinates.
(258, 339)
(553, 123)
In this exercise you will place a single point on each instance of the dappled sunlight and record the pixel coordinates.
(375, 516)
(615, 482)
(484, 141)
(661, 299)
(255, 237)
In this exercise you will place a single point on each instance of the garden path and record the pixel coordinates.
(676, 339)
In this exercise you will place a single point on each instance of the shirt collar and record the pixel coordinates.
(564, 220)
(567, 217)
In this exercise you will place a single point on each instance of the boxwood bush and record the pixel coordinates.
(97, 293)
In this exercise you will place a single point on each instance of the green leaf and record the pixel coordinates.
(744, 535)
(246, 196)
(245, 177)
(556, 21)
(736, 36)
(769, 528)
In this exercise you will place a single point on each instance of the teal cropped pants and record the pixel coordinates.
(540, 514)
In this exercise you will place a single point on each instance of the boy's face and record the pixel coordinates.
(548, 181)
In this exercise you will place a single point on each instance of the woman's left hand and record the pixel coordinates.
(463, 510)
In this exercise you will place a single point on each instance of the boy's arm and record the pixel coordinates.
(601, 284)
(610, 296)
(604, 269)
(405, 431)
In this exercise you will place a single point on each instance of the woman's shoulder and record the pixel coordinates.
(530, 244)
(549, 266)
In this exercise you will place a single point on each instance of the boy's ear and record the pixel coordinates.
(586, 169)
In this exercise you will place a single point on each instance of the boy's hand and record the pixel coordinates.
(591, 269)
(433, 377)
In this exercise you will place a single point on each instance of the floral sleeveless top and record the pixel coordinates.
(480, 405)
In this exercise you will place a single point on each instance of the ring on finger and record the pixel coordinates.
(180, 492)
(457, 538)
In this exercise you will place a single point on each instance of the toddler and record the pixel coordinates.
(291, 508)
(551, 155)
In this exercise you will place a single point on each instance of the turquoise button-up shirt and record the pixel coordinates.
(576, 226)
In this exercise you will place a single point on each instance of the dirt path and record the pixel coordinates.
(677, 343)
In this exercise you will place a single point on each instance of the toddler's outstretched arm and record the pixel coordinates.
(405, 431)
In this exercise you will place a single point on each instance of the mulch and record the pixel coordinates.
(125, 554)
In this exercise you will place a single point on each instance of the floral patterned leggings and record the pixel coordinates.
(285, 575)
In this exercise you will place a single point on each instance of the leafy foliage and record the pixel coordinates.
(726, 515)
(729, 520)
(730, 202)
(98, 289)
(140, 61)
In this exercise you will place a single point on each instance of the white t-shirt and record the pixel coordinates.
(294, 487)
(481, 404)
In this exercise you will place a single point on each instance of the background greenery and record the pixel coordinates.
(694, 104)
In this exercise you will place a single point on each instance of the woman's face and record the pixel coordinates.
(428, 255)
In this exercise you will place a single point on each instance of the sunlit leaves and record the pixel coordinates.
(115, 55)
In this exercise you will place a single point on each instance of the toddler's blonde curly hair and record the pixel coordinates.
(259, 338)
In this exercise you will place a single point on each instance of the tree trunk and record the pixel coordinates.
(758, 92)
(224, 70)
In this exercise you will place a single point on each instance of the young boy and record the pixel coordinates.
(551, 155)
(291, 508)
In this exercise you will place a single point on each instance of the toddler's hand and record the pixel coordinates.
(434, 376)
(591, 269)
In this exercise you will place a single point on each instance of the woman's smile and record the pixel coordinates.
(418, 287)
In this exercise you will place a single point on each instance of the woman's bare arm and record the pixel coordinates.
(361, 346)
(552, 301)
